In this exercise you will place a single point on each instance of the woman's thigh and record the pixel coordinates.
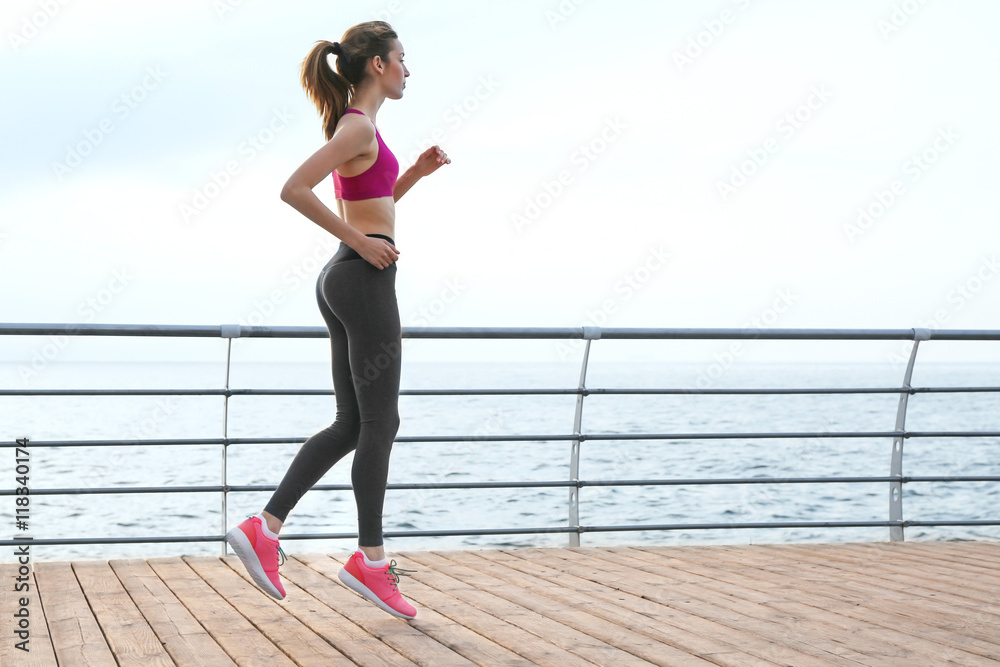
(362, 299)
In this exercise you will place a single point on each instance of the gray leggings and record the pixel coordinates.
(358, 302)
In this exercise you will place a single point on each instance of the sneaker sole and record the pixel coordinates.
(237, 539)
(348, 579)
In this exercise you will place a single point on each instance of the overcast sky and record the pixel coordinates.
(790, 163)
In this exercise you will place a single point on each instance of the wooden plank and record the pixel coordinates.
(922, 589)
(919, 582)
(76, 636)
(311, 600)
(842, 588)
(965, 552)
(128, 634)
(268, 615)
(183, 637)
(900, 569)
(738, 607)
(863, 576)
(237, 637)
(639, 649)
(406, 639)
(700, 568)
(460, 611)
(40, 652)
(876, 610)
(983, 548)
(465, 642)
(978, 599)
(877, 614)
(576, 611)
(931, 561)
(640, 615)
(672, 613)
(540, 624)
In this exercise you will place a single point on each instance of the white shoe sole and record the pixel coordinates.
(348, 579)
(237, 539)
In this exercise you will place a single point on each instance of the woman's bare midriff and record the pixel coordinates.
(369, 216)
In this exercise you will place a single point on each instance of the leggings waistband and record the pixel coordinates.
(346, 252)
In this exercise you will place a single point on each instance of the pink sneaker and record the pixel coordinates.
(378, 584)
(259, 554)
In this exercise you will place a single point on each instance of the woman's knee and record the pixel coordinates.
(386, 423)
(392, 423)
(349, 420)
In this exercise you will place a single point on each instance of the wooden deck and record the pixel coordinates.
(906, 603)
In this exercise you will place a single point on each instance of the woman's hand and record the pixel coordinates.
(378, 252)
(430, 160)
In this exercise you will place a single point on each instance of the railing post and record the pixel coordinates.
(229, 332)
(589, 334)
(896, 465)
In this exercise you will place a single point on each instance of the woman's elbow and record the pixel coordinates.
(287, 191)
(293, 190)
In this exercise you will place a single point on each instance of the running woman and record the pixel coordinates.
(356, 293)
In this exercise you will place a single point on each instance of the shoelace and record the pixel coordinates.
(394, 572)
(280, 551)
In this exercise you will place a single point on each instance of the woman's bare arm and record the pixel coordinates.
(350, 139)
(404, 183)
(426, 164)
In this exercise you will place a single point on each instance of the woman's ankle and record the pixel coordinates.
(374, 553)
(273, 522)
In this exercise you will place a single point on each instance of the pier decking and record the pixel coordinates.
(913, 603)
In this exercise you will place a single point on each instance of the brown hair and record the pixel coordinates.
(332, 91)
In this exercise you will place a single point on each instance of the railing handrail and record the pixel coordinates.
(539, 484)
(690, 333)
(589, 334)
(524, 437)
(499, 392)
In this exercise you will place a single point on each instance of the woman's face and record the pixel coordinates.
(395, 72)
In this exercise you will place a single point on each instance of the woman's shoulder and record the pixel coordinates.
(354, 127)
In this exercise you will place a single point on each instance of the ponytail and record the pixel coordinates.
(328, 90)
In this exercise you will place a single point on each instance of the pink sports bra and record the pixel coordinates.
(376, 181)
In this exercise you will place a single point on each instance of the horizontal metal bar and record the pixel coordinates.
(271, 487)
(166, 539)
(291, 536)
(736, 525)
(785, 480)
(415, 486)
(764, 391)
(444, 485)
(429, 533)
(942, 390)
(118, 490)
(962, 478)
(785, 524)
(971, 522)
(524, 438)
(513, 531)
(738, 480)
(952, 434)
(222, 331)
(596, 391)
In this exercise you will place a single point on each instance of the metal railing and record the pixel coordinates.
(895, 479)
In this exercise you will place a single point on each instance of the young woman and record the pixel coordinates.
(357, 299)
